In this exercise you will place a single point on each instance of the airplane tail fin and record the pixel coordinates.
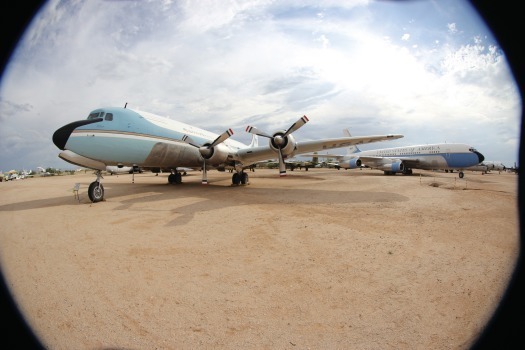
(351, 149)
(255, 141)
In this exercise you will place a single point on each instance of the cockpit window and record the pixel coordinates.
(94, 115)
(109, 116)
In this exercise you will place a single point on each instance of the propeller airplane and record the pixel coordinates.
(117, 136)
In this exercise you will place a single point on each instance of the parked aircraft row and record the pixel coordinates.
(121, 137)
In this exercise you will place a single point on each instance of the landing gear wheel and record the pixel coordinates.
(96, 191)
(175, 178)
(244, 178)
(461, 174)
(236, 179)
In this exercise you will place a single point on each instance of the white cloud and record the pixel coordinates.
(264, 63)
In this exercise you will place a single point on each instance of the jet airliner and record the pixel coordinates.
(446, 156)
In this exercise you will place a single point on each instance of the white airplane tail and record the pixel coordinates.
(351, 149)
(255, 141)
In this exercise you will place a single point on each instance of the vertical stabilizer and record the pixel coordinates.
(255, 141)
(351, 149)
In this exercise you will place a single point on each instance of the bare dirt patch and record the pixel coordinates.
(319, 259)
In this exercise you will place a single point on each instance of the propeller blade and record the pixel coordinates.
(206, 151)
(204, 174)
(221, 138)
(279, 139)
(303, 120)
(254, 130)
(282, 165)
(190, 141)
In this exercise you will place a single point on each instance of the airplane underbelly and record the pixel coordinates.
(433, 162)
(170, 155)
(130, 150)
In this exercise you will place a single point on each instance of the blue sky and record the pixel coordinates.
(430, 70)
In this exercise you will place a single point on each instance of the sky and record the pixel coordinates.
(430, 70)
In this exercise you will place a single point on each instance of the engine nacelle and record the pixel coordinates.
(286, 144)
(351, 164)
(396, 166)
(217, 155)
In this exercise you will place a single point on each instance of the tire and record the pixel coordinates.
(171, 178)
(461, 174)
(236, 179)
(244, 178)
(96, 192)
(178, 178)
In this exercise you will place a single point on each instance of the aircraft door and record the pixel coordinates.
(447, 153)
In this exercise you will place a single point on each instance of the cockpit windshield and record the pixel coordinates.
(95, 115)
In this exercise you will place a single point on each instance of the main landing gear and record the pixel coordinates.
(175, 177)
(96, 190)
(240, 178)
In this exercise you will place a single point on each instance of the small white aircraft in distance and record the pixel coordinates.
(494, 165)
(488, 165)
(117, 136)
(43, 172)
(446, 156)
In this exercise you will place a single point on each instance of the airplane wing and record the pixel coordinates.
(318, 145)
(323, 155)
(252, 155)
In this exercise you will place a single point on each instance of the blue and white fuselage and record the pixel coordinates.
(447, 156)
(124, 137)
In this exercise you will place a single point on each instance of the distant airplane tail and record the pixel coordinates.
(255, 141)
(351, 149)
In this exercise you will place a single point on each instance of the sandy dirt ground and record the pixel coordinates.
(320, 259)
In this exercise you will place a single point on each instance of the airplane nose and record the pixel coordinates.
(61, 136)
(481, 157)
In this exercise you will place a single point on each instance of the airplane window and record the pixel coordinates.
(109, 116)
(93, 116)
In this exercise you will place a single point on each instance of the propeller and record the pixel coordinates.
(279, 140)
(207, 150)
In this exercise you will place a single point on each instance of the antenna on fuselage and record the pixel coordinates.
(125, 105)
